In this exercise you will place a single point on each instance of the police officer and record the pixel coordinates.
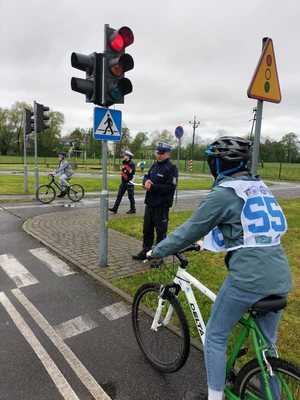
(160, 184)
(127, 174)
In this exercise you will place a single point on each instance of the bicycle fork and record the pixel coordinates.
(161, 304)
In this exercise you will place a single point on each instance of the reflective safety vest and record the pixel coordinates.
(262, 218)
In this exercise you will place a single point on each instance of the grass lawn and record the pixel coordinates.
(10, 184)
(209, 268)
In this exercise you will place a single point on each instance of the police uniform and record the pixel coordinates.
(158, 200)
(127, 174)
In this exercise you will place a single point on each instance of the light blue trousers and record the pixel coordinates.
(230, 305)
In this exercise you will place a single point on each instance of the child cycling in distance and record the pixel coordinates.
(242, 217)
(64, 171)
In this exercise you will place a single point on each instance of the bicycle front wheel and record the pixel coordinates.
(45, 194)
(75, 192)
(167, 344)
(285, 384)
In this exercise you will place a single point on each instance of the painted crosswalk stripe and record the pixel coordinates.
(116, 310)
(80, 370)
(16, 271)
(55, 264)
(75, 326)
(51, 368)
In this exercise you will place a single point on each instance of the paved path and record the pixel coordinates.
(75, 236)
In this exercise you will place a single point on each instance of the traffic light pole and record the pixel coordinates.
(25, 159)
(36, 167)
(103, 245)
(255, 153)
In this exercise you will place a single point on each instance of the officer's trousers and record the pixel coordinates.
(155, 218)
(130, 191)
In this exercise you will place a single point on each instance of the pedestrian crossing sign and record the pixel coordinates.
(107, 124)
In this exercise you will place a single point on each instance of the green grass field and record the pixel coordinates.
(209, 268)
(10, 184)
(270, 170)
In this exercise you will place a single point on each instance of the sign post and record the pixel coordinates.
(25, 154)
(178, 133)
(264, 86)
(107, 127)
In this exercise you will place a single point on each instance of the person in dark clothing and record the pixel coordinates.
(160, 185)
(127, 174)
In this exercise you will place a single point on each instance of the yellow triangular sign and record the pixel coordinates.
(265, 83)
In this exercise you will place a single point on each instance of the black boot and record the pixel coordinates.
(113, 210)
(131, 212)
(141, 255)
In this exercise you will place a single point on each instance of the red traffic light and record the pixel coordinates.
(121, 39)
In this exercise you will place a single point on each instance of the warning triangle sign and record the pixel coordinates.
(265, 83)
(107, 125)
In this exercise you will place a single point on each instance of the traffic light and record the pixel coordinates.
(29, 121)
(92, 85)
(116, 63)
(41, 117)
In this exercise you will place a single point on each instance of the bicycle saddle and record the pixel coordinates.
(270, 303)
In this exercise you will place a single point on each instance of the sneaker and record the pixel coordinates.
(140, 256)
(62, 193)
(113, 210)
(131, 212)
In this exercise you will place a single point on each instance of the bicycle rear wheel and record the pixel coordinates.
(166, 350)
(45, 194)
(285, 384)
(75, 192)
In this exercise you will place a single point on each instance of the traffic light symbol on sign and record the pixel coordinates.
(92, 85)
(29, 121)
(116, 63)
(265, 83)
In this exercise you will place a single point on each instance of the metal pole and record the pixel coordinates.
(25, 157)
(35, 148)
(103, 245)
(255, 154)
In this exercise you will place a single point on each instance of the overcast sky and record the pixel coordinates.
(191, 58)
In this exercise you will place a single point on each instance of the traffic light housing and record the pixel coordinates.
(41, 117)
(116, 63)
(29, 121)
(91, 86)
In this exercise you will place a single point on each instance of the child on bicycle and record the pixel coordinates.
(241, 216)
(64, 171)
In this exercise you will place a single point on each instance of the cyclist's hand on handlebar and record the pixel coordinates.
(200, 244)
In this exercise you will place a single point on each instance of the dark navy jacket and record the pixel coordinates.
(164, 177)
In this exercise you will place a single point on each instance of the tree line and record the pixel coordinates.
(81, 141)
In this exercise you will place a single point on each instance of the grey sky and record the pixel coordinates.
(191, 57)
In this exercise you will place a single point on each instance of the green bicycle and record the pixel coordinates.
(163, 336)
(47, 193)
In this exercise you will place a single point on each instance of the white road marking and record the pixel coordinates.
(80, 370)
(16, 271)
(55, 264)
(75, 326)
(116, 310)
(55, 374)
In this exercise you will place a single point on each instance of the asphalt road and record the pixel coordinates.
(63, 336)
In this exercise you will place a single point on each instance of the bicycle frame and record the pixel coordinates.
(250, 328)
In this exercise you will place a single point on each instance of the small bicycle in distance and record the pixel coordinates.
(47, 193)
(162, 333)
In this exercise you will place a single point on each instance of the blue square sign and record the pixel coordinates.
(107, 124)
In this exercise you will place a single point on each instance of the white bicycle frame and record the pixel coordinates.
(185, 281)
